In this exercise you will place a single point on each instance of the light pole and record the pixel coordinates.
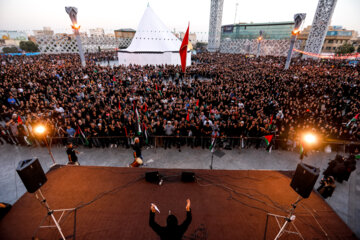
(259, 43)
(298, 19)
(72, 11)
(40, 130)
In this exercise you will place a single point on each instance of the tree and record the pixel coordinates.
(10, 50)
(29, 46)
(345, 48)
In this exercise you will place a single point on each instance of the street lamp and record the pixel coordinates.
(298, 19)
(40, 130)
(72, 11)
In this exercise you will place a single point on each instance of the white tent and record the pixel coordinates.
(153, 44)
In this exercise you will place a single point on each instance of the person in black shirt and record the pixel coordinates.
(71, 152)
(137, 154)
(172, 231)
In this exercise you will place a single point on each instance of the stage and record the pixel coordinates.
(114, 203)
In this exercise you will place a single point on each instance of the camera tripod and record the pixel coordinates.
(288, 219)
(51, 212)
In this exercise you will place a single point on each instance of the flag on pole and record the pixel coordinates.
(271, 120)
(188, 117)
(82, 136)
(146, 134)
(126, 133)
(301, 151)
(211, 148)
(268, 139)
(114, 79)
(354, 119)
(119, 106)
(145, 108)
(19, 120)
(183, 49)
(138, 121)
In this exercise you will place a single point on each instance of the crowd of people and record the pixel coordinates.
(233, 98)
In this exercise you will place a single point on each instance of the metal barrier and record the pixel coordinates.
(205, 142)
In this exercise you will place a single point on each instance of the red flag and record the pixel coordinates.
(114, 79)
(271, 119)
(197, 103)
(268, 139)
(144, 108)
(119, 106)
(188, 117)
(183, 49)
(156, 87)
(19, 120)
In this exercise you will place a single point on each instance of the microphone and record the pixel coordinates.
(156, 208)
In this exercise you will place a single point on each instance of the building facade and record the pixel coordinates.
(271, 31)
(45, 32)
(96, 32)
(335, 37)
(192, 37)
(124, 33)
(13, 35)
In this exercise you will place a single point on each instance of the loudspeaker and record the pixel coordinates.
(31, 174)
(188, 177)
(152, 176)
(304, 179)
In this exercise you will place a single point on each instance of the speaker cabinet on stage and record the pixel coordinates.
(152, 177)
(31, 174)
(304, 179)
(188, 177)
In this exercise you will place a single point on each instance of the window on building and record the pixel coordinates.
(334, 48)
(331, 41)
(328, 48)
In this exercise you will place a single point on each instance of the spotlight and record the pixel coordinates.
(310, 138)
(40, 129)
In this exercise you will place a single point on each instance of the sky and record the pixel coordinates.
(29, 15)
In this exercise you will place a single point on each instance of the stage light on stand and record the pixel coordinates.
(40, 130)
(32, 175)
(303, 183)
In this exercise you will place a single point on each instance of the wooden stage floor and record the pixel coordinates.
(113, 203)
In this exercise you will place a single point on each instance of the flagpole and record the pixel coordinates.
(212, 155)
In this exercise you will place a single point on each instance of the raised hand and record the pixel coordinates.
(187, 205)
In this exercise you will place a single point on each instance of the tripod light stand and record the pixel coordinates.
(39, 196)
(32, 175)
(288, 219)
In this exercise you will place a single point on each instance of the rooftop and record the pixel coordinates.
(125, 30)
(261, 24)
